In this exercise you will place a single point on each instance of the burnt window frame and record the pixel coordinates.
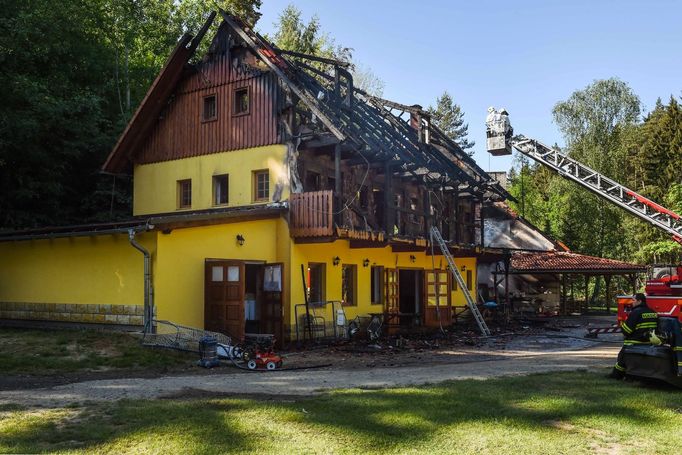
(353, 268)
(376, 289)
(255, 175)
(205, 119)
(317, 281)
(214, 193)
(235, 98)
(184, 192)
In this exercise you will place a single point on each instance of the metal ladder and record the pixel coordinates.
(435, 235)
(601, 185)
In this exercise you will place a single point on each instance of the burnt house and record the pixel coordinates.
(254, 167)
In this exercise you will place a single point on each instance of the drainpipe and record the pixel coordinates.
(148, 292)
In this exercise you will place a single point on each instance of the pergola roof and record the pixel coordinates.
(565, 262)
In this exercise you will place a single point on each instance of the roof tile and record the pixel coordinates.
(560, 260)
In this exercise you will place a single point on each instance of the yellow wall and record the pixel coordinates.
(325, 252)
(179, 273)
(103, 269)
(155, 185)
(106, 269)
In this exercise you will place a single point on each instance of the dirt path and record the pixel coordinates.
(471, 364)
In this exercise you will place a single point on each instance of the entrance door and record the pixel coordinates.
(437, 282)
(411, 296)
(224, 297)
(271, 306)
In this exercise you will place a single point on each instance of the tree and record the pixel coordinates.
(73, 77)
(293, 34)
(449, 117)
(54, 118)
(599, 124)
(366, 80)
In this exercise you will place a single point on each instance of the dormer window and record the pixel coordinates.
(210, 108)
(241, 101)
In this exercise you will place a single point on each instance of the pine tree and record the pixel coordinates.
(449, 117)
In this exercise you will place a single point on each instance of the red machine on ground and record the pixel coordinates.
(664, 286)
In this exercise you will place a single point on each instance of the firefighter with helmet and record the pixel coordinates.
(639, 328)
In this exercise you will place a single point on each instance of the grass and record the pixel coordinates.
(564, 413)
(49, 352)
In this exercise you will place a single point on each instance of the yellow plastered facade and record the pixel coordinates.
(326, 252)
(102, 269)
(106, 269)
(179, 275)
(156, 185)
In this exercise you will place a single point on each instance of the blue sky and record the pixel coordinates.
(521, 55)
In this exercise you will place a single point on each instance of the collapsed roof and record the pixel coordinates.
(372, 127)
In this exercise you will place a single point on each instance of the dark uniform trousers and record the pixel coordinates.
(636, 330)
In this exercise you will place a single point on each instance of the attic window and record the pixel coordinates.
(210, 108)
(241, 101)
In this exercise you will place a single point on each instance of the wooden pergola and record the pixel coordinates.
(565, 266)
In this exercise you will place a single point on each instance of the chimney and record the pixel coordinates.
(420, 121)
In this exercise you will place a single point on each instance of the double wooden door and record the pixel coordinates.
(436, 289)
(224, 298)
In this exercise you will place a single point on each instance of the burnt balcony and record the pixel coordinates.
(312, 218)
(311, 214)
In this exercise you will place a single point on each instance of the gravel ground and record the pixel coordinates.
(539, 355)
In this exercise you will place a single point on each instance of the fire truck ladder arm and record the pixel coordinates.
(601, 185)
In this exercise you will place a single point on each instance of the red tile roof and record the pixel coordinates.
(561, 261)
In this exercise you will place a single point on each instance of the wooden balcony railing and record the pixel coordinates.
(310, 214)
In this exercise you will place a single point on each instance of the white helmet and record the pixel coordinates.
(503, 111)
(491, 109)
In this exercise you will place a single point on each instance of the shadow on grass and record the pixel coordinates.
(392, 419)
(156, 426)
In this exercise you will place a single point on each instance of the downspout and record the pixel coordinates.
(148, 315)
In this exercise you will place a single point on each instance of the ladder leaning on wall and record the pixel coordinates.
(435, 236)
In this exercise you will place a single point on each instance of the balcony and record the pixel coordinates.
(310, 214)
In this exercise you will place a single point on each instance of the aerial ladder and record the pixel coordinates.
(437, 239)
(665, 288)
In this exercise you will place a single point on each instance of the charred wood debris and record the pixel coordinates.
(390, 168)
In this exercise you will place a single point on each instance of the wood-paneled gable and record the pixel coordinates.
(180, 131)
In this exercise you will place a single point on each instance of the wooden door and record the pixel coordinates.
(224, 298)
(391, 299)
(436, 282)
(272, 302)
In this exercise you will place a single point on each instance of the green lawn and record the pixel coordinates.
(48, 352)
(566, 413)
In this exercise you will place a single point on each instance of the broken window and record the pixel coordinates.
(349, 275)
(313, 181)
(220, 189)
(377, 285)
(364, 198)
(241, 101)
(316, 281)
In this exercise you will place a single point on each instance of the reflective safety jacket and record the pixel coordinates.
(641, 321)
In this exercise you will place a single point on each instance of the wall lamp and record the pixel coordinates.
(464, 267)
(336, 260)
(365, 262)
(413, 258)
(240, 239)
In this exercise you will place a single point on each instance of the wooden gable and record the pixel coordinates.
(168, 125)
